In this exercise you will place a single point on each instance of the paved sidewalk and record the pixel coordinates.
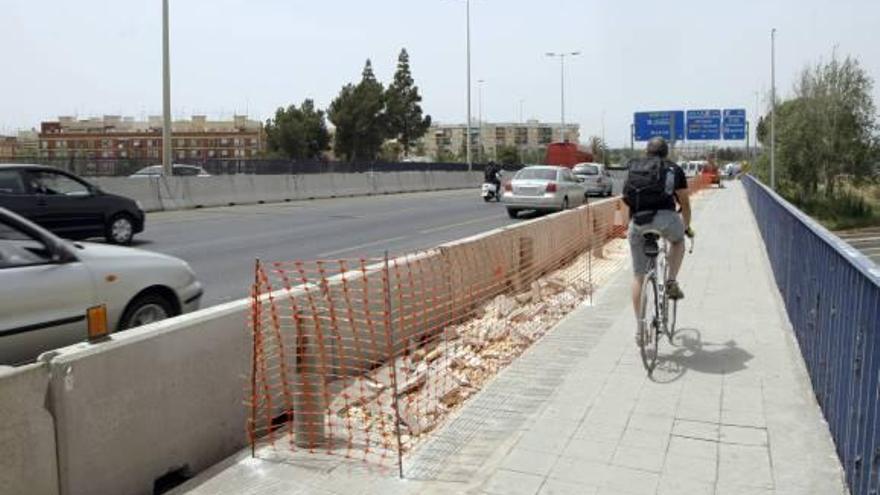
(729, 411)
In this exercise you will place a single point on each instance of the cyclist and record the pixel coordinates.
(653, 187)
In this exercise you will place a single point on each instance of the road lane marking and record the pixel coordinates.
(453, 225)
(362, 246)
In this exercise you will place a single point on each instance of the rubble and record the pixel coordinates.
(439, 376)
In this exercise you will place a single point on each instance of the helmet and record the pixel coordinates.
(657, 147)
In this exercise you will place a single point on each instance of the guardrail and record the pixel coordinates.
(832, 295)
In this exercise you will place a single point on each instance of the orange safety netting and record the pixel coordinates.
(362, 358)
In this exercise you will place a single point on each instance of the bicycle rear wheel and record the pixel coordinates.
(649, 323)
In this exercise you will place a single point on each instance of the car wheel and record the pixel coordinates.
(486, 198)
(145, 309)
(120, 229)
(513, 213)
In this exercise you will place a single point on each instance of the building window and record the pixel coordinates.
(194, 153)
(105, 143)
(211, 153)
(136, 143)
(44, 145)
(105, 154)
(181, 154)
(224, 142)
(62, 144)
(149, 143)
(123, 154)
(224, 153)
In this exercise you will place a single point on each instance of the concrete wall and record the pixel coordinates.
(159, 193)
(169, 396)
(27, 435)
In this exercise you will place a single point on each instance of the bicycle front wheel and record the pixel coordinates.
(649, 323)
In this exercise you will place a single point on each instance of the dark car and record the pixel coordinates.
(67, 205)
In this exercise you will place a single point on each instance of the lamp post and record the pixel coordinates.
(773, 109)
(754, 155)
(561, 56)
(166, 95)
(480, 120)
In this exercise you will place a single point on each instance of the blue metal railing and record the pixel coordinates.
(832, 296)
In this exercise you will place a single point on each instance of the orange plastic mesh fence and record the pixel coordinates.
(363, 357)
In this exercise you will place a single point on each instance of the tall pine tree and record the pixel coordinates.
(358, 113)
(404, 112)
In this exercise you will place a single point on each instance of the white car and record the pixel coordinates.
(48, 285)
(543, 188)
(177, 170)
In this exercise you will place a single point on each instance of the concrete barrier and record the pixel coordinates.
(162, 398)
(27, 434)
(167, 398)
(175, 193)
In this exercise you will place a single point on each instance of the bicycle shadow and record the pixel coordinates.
(693, 354)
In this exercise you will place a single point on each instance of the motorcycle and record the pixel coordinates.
(490, 192)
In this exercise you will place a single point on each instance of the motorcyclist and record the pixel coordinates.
(492, 175)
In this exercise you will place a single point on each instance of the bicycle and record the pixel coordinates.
(654, 319)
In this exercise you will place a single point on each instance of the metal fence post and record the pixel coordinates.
(389, 343)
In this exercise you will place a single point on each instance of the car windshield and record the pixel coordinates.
(536, 174)
(586, 170)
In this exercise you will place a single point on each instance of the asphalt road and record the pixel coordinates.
(865, 240)
(222, 243)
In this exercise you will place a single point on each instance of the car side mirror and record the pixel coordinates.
(61, 253)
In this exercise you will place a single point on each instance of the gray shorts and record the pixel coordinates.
(670, 226)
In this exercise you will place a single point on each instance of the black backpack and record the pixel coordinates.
(646, 188)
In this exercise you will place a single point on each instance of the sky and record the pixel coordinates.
(95, 57)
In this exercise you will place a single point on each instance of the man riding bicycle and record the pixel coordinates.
(653, 187)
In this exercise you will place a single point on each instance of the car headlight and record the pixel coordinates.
(139, 205)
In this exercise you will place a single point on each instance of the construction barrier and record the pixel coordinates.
(363, 357)
(176, 193)
(27, 435)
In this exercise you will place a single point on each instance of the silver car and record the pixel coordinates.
(49, 287)
(177, 169)
(596, 179)
(542, 188)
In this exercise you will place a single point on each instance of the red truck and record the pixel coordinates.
(566, 154)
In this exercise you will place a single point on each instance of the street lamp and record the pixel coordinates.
(480, 119)
(166, 95)
(468, 125)
(561, 57)
(773, 109)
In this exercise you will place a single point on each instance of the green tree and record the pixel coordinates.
(828, 130)
(298, 133)
(406, 122)
(358, 113)
(599, 150)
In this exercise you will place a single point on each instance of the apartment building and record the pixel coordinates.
(116, 137)
(488, 137)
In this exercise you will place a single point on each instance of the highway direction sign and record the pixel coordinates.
(703, 125)
(668, 125)
(734, 125)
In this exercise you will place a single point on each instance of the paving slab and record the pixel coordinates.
(729, 410)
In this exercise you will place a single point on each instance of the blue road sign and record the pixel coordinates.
(704, 125)
(668, 125)
(733, 126)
